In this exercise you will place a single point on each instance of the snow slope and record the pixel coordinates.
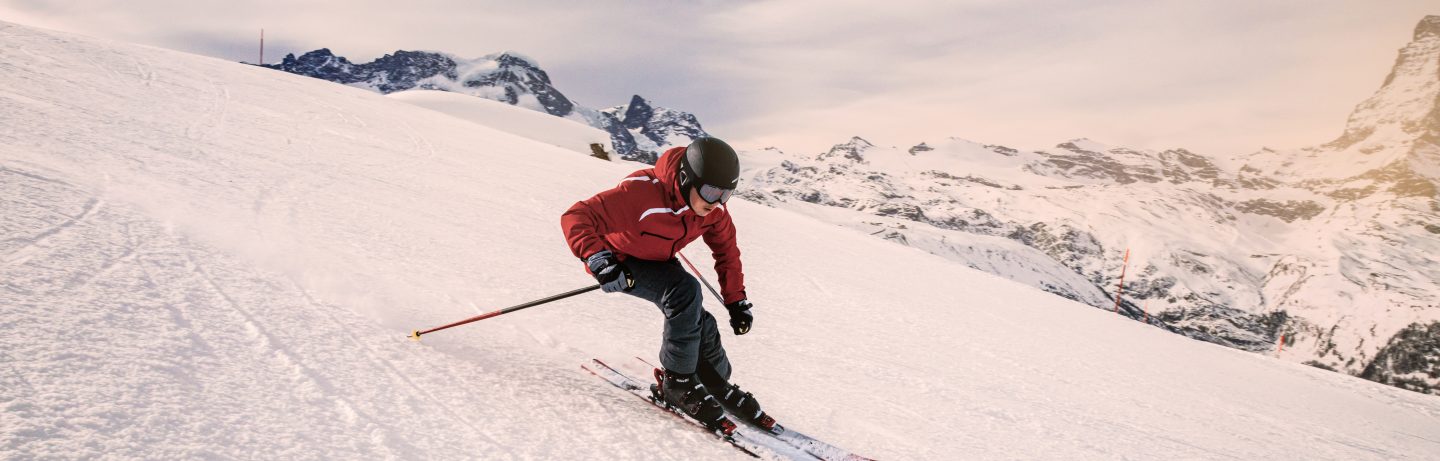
(202, 259)
(539, 126)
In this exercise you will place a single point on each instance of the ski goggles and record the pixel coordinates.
(712, 194)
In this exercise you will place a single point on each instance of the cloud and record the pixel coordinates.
(1220, 77)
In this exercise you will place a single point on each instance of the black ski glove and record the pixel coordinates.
(610, 272)
(740, 316)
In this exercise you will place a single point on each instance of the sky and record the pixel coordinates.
(1219, 77)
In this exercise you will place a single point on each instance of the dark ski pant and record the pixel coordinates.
(692, 342)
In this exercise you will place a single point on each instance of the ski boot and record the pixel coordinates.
(685, 393)
(743, 405)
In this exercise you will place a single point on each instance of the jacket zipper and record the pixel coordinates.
(684, 231)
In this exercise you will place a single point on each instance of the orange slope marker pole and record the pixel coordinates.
(1120, 290)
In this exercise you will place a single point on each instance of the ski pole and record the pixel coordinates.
(415, 335)
(702, 278)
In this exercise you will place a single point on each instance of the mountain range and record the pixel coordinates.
(1324, 255)
(638, 130)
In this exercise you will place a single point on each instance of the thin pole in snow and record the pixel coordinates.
(262, 46)
(1280, 345)
(1120, 290)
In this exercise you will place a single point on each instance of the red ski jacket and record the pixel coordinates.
(645, 217)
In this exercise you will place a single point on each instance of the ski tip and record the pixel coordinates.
(415, 335)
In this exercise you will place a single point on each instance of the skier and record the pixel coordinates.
(628, 236)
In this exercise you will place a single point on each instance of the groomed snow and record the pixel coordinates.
(536, 125)
(202, 259)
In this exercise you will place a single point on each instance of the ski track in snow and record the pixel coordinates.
(175, 355)
(208, 260)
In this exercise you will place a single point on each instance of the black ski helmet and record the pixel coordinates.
(708, 161)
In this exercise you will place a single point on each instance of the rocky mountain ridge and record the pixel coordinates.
(656, 128)
(638, 130)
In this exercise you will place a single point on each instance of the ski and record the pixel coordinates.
(748, 441)
(816, 447)
(810, 445)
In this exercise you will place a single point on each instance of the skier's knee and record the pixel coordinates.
(681, 298)
(690, 286)
(708, 328)
(687, 292)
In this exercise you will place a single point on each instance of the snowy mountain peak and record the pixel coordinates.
(852, 150)
(656, 128)
(1404, 109)
(511, 78)
(1392, 137)
(317, 56)
(1430, 26)
(1084, 146)
(638, 112)
(511, 58)
(320, 63)
(512, 67)
(859, 142)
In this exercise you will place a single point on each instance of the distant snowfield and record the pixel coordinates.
(202, 259)
(533, 124)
